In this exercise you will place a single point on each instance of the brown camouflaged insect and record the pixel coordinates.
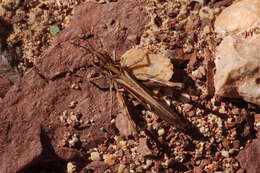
(124, 77)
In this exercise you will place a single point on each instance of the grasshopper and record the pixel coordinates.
(124, 77)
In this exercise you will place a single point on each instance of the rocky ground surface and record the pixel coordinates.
(58, 114)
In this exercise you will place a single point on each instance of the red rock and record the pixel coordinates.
(257, 118)
(142, 148)
(178, 57)
(97, 166)
(129, 15)
(5, 84)
(257, 121)
(225, 143)
(34, 105)
(210, 77)
(205, 22)
(224, 3)
(26, 146)
(18, 18)
(236, 144)
(126, 171)
(157, 166)
(171, 162)
(240, 171)
(193, 59)
(204, 163)
(197, 170)
(124, 126)
(250, 156)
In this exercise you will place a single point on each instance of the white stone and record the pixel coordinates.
(121, 168)
(238, 68)
(95, 156)
(240, 17)
(161, 132)
(144, 64)
(237, 58)
(225, 154)
(109, 159)
(71, 168)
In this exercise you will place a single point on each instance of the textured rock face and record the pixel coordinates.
(5, 84)
(250, 157)
(37, 113)
(239, 17)
(238, 56)
(238, 68)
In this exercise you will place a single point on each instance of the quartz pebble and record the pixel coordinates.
(95, 156)
(161, 132)
(237, 58)
(225, 154)
(109, 159)
(229, 21)
(121, 168)
(71, 168)
(238, 68)
(145, 64)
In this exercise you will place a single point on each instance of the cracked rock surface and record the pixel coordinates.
(44, 104)
(237, 57)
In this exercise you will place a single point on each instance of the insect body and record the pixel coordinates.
(128, 81)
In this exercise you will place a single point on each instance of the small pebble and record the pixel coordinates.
(122, 144)
(109, 159)
(161, 132)
(121, 168)
(148, 164)
(185, 98)
(73, 104)
(73, 140)
(232, 151)
(71, 168)
(95, 156)
(75, 86)
(225, 154)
